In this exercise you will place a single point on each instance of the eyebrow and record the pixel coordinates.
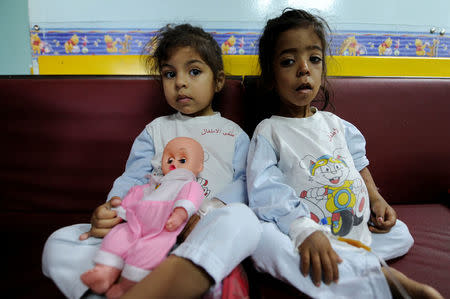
(294, 50)
(187, 63)
(194, 61)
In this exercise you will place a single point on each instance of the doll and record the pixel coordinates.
(155, 214)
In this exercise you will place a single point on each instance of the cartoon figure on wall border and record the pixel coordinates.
(131, 42)
(71, 46)
(351, 47)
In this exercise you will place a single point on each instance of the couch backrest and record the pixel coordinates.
(65, 139)
(406, 123)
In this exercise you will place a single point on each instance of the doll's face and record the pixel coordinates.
(182, 152)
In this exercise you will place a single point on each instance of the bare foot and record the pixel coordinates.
(175, 277)
(100, 278)
(413, 288)
(117, 290)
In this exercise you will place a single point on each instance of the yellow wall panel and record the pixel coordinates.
(388, 66)
(91, 65)
(244, 65)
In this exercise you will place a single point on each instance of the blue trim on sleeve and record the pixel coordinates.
(236, 191)
(137, 166)
(270, 197)
(356, 144)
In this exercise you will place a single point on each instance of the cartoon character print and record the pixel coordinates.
(420, 47)
(397, 48)
(385, 47)
(433, 48)
(333, 203)
(84, 48)
(110, 44)
(351, 47)
(228, 46)
(204, 183)
(202, 180)
(125, 44)
(71, 46)
(241, 50)
(36, 43)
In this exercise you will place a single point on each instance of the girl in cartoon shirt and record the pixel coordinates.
(308, 179)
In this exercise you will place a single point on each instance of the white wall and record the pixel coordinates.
(390, 15)
(411, 15)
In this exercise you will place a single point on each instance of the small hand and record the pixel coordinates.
(316, 253)
(103, 219)
(178, 216)
(383, 216)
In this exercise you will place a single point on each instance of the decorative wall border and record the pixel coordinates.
(85, 42)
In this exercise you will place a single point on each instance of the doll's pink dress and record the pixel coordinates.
(142, 242)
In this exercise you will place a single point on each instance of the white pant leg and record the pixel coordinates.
(359, 273)
(65, 258)
(395, 243)
(222, 239)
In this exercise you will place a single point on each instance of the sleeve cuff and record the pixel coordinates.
(187, 205)
(361, 163)
(209, 205)
(301, 228)
(121, 212)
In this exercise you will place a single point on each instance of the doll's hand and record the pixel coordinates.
(383, 216)
(316, 253)
(103, 219)
(178, 216)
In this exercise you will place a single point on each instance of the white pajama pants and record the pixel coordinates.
(219, 242)
(359, 273)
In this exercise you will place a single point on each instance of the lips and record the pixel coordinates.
(304, 87)
(172, 167)
(183, 98)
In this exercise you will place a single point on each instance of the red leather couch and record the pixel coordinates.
(65, 139)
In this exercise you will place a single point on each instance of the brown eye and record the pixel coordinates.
(169, 75)
(315, 59)
(195, 72)
(287, 62)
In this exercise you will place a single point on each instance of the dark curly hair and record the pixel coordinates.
(289, 19)
(184, 35)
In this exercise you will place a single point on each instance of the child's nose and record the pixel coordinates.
(303, 68)
(180, 81)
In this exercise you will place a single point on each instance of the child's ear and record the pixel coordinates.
(220, 81)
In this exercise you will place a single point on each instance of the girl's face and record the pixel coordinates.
(188, 82)
(297, 68)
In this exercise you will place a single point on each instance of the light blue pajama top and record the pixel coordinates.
(138, 166)
(275, 201)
